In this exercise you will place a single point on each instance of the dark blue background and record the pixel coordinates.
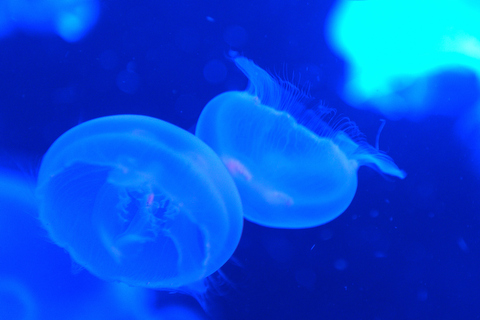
(418, 259)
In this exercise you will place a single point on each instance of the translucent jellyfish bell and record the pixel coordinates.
(138, 200)
(290, 173)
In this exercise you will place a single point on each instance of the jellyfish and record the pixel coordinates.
(292, 169)
(70, 19)
(137, 200)
(401, 71)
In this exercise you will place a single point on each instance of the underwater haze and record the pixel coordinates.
(239, 159)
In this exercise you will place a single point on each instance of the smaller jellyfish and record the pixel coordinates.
(292, 169)
(138, 200)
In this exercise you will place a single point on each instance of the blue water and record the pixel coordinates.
(403, 249)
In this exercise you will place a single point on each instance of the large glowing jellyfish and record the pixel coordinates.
(291, 168)
(70, 19)
(141, 201)
(397, 50)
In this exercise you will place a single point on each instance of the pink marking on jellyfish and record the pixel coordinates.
(236, 168)
(150, 198)
(278, 198)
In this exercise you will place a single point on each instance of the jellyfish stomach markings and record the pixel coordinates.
(147, 213)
